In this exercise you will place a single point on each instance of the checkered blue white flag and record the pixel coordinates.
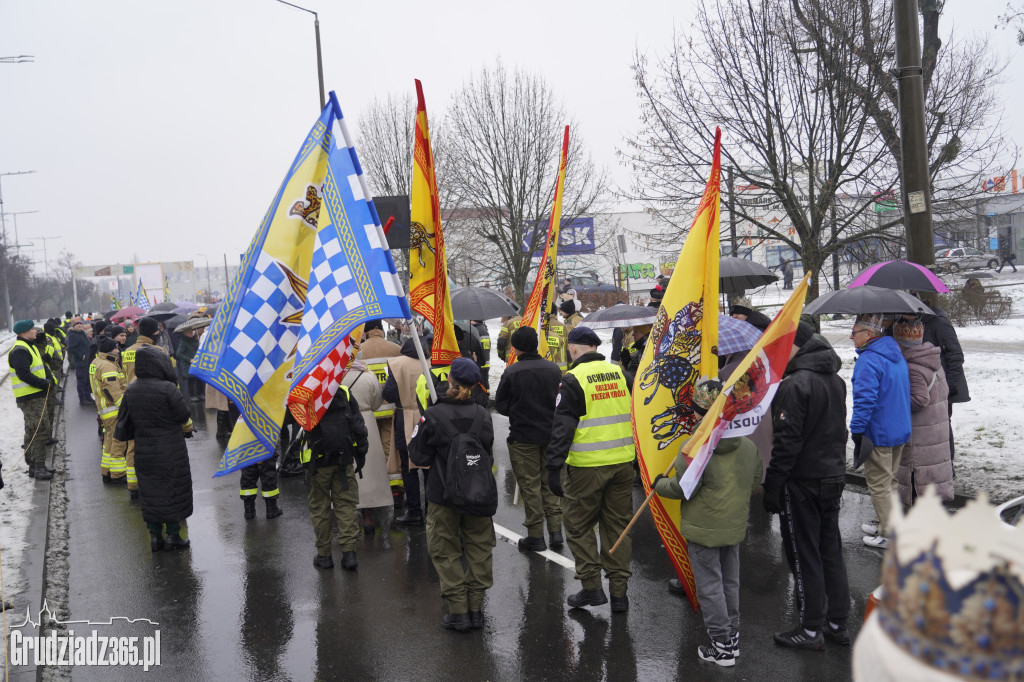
(142, 298)
(352, 278)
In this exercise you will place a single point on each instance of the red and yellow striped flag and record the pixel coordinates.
(428, 272)
(542, 298)
(679, 353)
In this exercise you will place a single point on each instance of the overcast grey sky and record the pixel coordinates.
(161, 130)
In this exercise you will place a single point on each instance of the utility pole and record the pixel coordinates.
(917, 213)
(15, 215)
(732, 211)
(4, 261)
(46, 259)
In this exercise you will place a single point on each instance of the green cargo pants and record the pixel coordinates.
(450, 537)
(37, 430)
(326, 492)
(531, 474)
(601, 496)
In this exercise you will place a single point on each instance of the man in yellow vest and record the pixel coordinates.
(32, 383)
(108, 384)
(592, 435)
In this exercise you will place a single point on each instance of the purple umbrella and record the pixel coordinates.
(900, 274)
(735, 336)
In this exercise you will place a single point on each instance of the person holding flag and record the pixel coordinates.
(592, 436)
(714, 522)
(804, 484)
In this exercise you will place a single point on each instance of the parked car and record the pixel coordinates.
(588, 284)
(964, 258)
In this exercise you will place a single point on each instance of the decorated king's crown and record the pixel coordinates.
(952, 594)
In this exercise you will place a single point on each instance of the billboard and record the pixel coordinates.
(576, 236)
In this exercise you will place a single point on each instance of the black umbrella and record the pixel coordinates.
(620, 315)
(165, 307)
(173, 321)
(867, 299)
(736, 275)
(481, 303)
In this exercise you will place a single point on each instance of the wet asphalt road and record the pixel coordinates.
(245, 602)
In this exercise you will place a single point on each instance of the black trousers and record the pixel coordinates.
(265, 473)
(814, 550)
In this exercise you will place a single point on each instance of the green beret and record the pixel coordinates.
(22, 326)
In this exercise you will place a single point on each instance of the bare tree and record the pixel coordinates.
(385, 142)
(793, 137)
(963, 118)
(498, 158)
(1013, 16)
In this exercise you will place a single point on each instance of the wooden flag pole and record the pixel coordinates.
(639, 511)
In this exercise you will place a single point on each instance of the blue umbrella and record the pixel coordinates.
(735, 336)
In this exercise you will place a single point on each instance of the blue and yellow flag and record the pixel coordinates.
(249, 350)
(142, 298)
(680, 352)
(352, 279)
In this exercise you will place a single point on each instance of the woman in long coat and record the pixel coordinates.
(926, 458)
(375, 486)
(155, 415)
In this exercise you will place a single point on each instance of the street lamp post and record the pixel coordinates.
(208, 287)
(8, 313)
(319, 58)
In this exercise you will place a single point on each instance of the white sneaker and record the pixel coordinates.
(876, 541)
(871, 527)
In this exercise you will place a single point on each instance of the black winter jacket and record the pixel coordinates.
(429, 444)
(339, 429)
(78, 346)
(154, 414)
(939, 332)
(809, 413)
(526, 395)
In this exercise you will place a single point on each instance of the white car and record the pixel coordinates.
(964, 258)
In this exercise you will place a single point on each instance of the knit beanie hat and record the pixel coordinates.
(105, 344)
(741, 305)
(525, 340)
(567, 307)
(148, 327)
(114, 330)
(908, 332)
(874, 321)
(804, 332)
(705, 395)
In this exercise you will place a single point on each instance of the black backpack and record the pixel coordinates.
(469, 485)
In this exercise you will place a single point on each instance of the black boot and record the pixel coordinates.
(250, 506)
(156, 542)
(223, 432)
(273, 511)
(348, 561)
(369, 528)
(41, 473)
(175, 541)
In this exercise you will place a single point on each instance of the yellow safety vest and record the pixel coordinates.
(485, 343)
(37, 368)
(604, 435)
(556, 349)
(422, 394)
(307, 452)
(379, 366)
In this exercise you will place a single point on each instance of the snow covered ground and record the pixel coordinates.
(16, 497)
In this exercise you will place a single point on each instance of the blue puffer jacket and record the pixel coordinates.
(881, 394)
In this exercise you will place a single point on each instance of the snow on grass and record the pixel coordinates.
(16, 498)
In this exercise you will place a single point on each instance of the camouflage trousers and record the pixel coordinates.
(37, 430)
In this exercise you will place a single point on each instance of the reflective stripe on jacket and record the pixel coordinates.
(379, 366)
(604, 435)
(37, 368)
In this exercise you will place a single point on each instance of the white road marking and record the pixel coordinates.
(513, 538)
